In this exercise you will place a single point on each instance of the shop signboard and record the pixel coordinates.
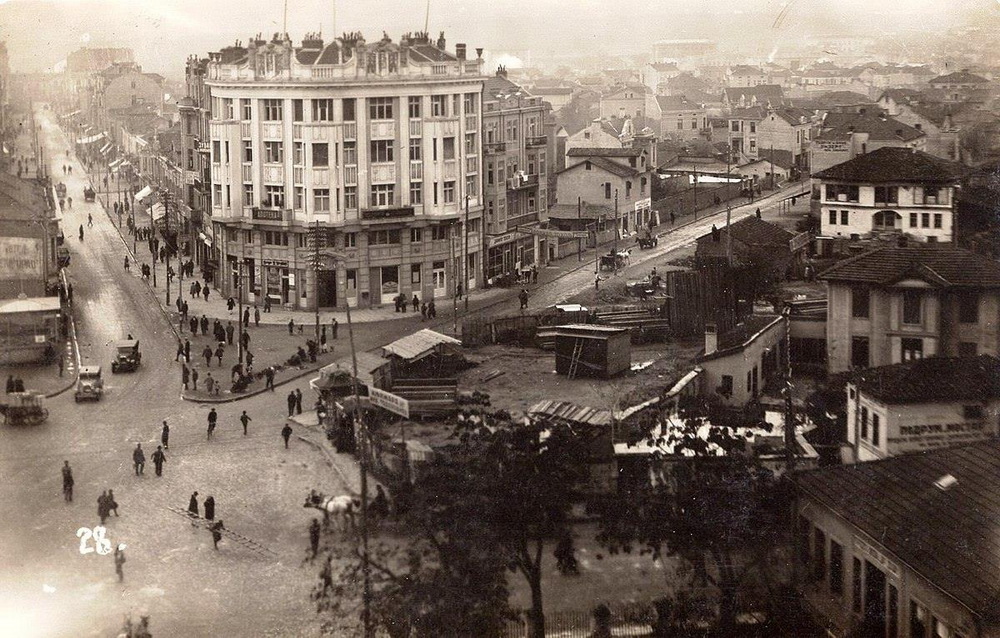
(21, 258)
(391, 402)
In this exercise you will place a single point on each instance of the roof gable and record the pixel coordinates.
(604, 164)
(893, 164)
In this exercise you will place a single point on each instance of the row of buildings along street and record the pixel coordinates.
(693, 340)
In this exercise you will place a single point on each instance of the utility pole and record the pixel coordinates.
(616, 231)
(465, 257)
(729, 236)
(455, 275)
(316, 241)
(696, 194)
(579, 216)
(239, 296)
(789, 407)
(772, 167)
(166, 239)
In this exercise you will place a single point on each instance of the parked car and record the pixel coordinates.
(89, 385)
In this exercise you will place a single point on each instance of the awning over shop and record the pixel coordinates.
(158, 211)
(205, 238)
(143, 194)
(106, 147)
(91, 139)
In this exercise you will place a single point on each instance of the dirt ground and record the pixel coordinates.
(529, 376)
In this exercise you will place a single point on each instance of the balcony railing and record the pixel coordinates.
(350, 175)
(416, 128)
(416, 171)
(245, 129)
(522, 182)
(494, 148)
(271, 214)
(536, 140)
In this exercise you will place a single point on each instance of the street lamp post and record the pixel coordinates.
(465, 257)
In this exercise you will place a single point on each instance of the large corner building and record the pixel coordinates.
(375, 147)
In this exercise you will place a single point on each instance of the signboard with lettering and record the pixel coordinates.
(20, 258)
(831, 146)
(496, 240)
(389, 401)
(551, 232)
(643, 204)
(917, 438)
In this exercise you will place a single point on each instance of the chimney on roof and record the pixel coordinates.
(479, 53)
(918, 126)
(899, 132)
(460, 51)
(711, 338)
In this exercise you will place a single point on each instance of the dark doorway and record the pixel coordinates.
(874, 619)
(327, 288)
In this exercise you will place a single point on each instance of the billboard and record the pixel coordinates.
(21, 258)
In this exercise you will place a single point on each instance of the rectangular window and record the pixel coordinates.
(607, 190)
(247, 151)
(833, 218)
(435, 193)
(912, 349)
(470, 103)
(726, 385)
(352, 282)
(216, 151)
(414, 273)
(918, 620)
(925, 220)
(297, 111)
(886, 194)
(819, 554)
(968, 307)
(937, 220)
(350, 153)
(415, 235)
(274, 152)
(836, 567)
(856, 586)
(350, 240)
(439, 233)
(272, 110)
(247, 107)
(864, 423)
(274, 196)
(298, 153)
(321, 154)
(860, 302)
(227, 107)
(380, 108)
(416, 193)
(322, 110)
(321, 200)
(845, 218)
(381, 151)
(912, 307)
(383, 195)
(449, 192)
(448, 148)
(351, 197)
(275, 238)
(349, 106)
(753, 127)
(470, 143)
(437, 105)
(913, 220)
(300, 197)
(859, 352)
(416, 152)
(413, 107)
(383, 237)
(680, 124)
(876, 423)
(248, 199)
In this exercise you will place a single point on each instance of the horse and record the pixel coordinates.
(341, 507)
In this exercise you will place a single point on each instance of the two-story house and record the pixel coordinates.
(959, 85)
(745, 75)
(922, 405)
(740, 97)
(656, 74)
(743, 131)
(928, 115)
(681, 118)
(790, 129)
(901, 303)
(629, 100)
(845, 135)
(889, 190)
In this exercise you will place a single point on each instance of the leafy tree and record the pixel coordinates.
(717, 510)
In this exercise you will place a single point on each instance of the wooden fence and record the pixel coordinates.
(700, 296)
(632, 620)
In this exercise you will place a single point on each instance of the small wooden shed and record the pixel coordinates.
(592, 351)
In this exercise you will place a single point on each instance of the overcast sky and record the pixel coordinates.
(39, 33)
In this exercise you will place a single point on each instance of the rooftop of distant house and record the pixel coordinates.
(945, 531)
(840, 126)
(742, 335)
(932, 380)
(762, 92)
(942, 266)
(893, 164)
(602, 151)
(754, 232)
(959, 77)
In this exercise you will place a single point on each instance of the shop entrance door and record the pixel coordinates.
(327, 288)
(874, 620)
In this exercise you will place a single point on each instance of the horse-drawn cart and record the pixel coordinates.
(24, 408)
(614, 261)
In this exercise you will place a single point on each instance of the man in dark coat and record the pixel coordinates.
(256, 317)
(187, 350)
(229, 332)
(165, 436)
(432, 311)
(180, 350)
(210, 508)
(245, 420)
(112, 503)
(102, 506)
(291, 326)
(245, 340)
(269, 378)
(193, 506)
(204, 325)
(333, 328)
(216, 533)
(185, 375)
(194, 325)
(207, 353)
(213, 419)
(120, 562)
(314, 531)
(286, 433)
(219, 351)
(298, 402)
(159, 458)
(67, 475)
(291, 403)
(194, 378)
(139, 459)
(246, 317)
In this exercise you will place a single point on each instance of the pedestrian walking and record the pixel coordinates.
(249, 356)
(256, 317)
(67, 475)
(314, 531)
(185, 375)
(81, 232)
(102, 507)
(210, 508)
(112, 503)
(159, 458)
(229, 332)
(267, 304)
(187, 343)
(217, 533)
(207, 353)
(213, 418)
(139, 459)
(194, 325)
(290, 399)
(523, 297)
(534, 273)
(193, 506)
(269, 378)
(120, 562)
(219, 351)
(230, 304)
(298, 401)
(245, 420)
(204, 325)
(333, 328)
(597, 282)
(432, 311)
(194, 378)
(291, 326)
(184, 310)
(205, 291)
(423, 311)
(90, 220)
(458, 291)
(209, 384)
(286, 433)
(246, 318)
(415, 303)
(126, 263)
(165, 436)
(672, 218)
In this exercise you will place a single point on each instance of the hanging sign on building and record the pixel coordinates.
(391, 402)
(20, 258)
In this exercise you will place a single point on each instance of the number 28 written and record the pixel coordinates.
(102, 544)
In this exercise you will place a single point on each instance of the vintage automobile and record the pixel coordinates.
(647, 239)
(127, 356)
(89, 194)
(23, 408)
(89, 385)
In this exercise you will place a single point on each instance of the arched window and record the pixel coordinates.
(886, 219)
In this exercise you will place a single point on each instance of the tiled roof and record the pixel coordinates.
(843, 98)
(749, 113)
(602, 162)
(499, 84)
(763, 92)
(948, 536)
(893, 164)
(742, 335)
(566, 411)
(744, 69)
(755, 232)
(429, 53)
(778, 156)
(878, 128)
(686, 81)
(947, 266)
(959, 77)
(676, 103)
(793, 115)
(899, 95)
(934, 379)
(603, 151)
(587, 211)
